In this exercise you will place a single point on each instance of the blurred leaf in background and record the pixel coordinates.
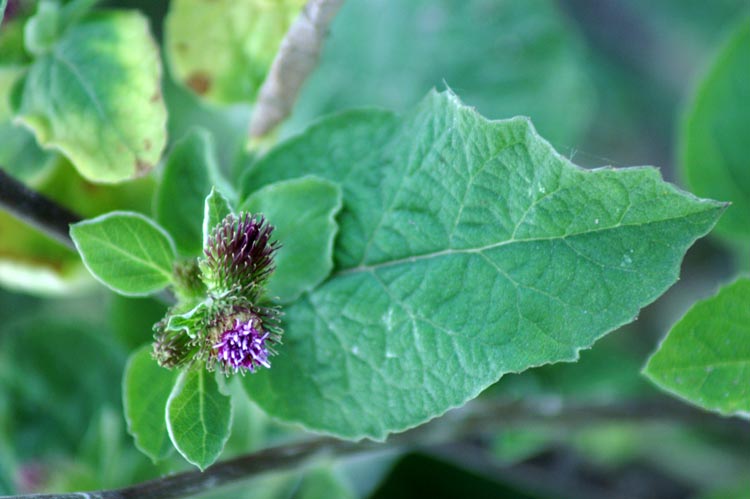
(222, 50)
(19, 153)
(100, 104)
(644, 57)
(715, 150)
(506, 58)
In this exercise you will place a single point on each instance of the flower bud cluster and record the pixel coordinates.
(221, 319)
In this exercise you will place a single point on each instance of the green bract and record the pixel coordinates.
(467, 249)
(215, 208)
(95, 96)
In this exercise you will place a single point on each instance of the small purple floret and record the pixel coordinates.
(243, 347)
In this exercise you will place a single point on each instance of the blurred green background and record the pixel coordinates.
(606, 82)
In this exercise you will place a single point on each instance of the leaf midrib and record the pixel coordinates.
(478, 250)
(147, 263)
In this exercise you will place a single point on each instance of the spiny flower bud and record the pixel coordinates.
(218, 320)
(239, 256)
(173, 348)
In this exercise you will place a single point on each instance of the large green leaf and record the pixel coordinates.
(467, 249)
(126, 252)
(198, 417)
(705, 359)
(715, 146)
(145, 389)
(223, 49)
(498, 55)
(96, 97)
(302, 212)
(189, 172)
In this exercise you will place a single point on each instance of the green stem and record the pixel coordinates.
(36, 209)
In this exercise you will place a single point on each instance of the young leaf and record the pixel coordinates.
(188, 174)
(223, 49)
(714, 143)
(705, 358)
(145, 389)
(126, 252)
(302, 212)
(111, 128)
(468, 249)
(198, 417)
(215, 209)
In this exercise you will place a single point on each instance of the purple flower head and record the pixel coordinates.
(243, 346)
(239, 255)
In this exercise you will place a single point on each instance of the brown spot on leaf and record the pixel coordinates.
(90, 188)
(157, 96)
(200, 82)
(141, 167)
(182, 47)
(147, 144)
